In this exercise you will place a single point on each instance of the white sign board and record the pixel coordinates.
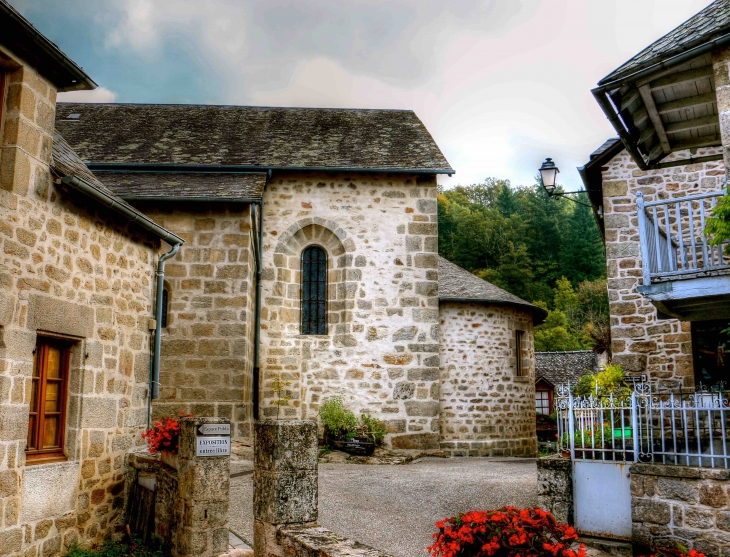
(214, 429)
(213, 446)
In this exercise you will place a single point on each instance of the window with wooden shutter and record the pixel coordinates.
(47, 425)
(314, 291)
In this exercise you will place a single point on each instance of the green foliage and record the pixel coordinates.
(338, 420)
(373, 427)
(611, 380)
(718, 225)
(131, 548)
(341, 422)
(541, 249)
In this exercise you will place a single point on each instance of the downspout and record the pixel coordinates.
(155, 375)
(257, 318)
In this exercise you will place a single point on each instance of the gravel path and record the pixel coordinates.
(394, 508)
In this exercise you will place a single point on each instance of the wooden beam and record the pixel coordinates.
(628, 99)
(704, 141)
(692, 124)
(639, 116)
(675, 69)
(645, 135)
(648, 98)
(681, 77)
(689, 102)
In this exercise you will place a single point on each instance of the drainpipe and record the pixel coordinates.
(257, 324)
(155, 375)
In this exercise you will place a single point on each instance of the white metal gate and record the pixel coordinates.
(604, 434)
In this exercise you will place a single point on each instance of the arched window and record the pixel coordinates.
(314, 291)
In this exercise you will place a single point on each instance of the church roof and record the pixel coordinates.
(708, 24)
(249, 137)
(564, 367)
(459, 285)
(198, 186)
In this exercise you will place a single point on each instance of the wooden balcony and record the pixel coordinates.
(685, 276)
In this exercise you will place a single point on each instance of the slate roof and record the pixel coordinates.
(710, 23)
(181, 185)
(564, 367)
(65, 162)
(459, 285)
(250, 136)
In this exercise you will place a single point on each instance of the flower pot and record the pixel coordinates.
(359, 446)
(565, 453)
(170, 459)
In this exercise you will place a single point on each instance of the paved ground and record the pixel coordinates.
(394, 507)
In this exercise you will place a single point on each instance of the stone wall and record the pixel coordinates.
(380, 234)
(207, 346)
(640, 342)
(70, 270)
(686, 504)
(486, 409)
(555, 487)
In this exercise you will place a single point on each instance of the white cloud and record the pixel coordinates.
(98, 95)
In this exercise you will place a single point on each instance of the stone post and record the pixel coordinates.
(720, 61)
(284, 479)
(203, 485)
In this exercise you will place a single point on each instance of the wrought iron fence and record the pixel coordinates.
(646, 423)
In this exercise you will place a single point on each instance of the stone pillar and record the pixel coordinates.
(555, 487)
(284, 479)
(720, 61)
(203, 485)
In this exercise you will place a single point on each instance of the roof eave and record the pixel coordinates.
(539, 313)
(247, 169)
(590, 174)
(22, 37)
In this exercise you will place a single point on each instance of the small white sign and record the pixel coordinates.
(213, 446)
(214, 429)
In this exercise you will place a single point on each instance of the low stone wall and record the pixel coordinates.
(685, 504)
(316, 541)
(190, 499)
(555, 487)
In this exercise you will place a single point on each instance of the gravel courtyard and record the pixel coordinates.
(393, 508)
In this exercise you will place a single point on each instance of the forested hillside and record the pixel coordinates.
(545, 250)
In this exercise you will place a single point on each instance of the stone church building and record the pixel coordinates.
(166, 258)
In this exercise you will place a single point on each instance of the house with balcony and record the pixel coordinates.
(653, 188)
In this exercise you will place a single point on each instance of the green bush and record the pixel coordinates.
(374, 427)
(130, 548)
(339, 421)
(610, 381)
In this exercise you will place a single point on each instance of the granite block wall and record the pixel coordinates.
(207, 347)
(485, 408)
(380, 234)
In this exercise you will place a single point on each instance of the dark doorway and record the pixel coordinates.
(710, 351)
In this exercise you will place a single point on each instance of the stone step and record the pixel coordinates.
(605, 546)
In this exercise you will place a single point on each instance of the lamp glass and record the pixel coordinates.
(549, 174)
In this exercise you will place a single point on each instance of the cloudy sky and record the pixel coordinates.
(500, 84)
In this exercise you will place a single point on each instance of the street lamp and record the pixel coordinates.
(549, 177)
(549, 174)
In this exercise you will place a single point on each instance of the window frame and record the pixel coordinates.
(305, 328)
(56, 453)
(549, 401)
(519, 360)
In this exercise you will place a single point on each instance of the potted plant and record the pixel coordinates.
(163, 439)
(344, 432)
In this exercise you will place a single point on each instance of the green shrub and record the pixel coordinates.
(610, 381)
(339, 421)
(374, 427)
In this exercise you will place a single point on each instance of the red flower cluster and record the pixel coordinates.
(164, 435)
(506, 532)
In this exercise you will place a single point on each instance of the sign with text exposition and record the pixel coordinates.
(211, 445)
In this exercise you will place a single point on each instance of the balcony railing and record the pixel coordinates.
(673, 240)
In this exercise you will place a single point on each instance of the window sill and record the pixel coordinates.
(521, 378)
(34, 459)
